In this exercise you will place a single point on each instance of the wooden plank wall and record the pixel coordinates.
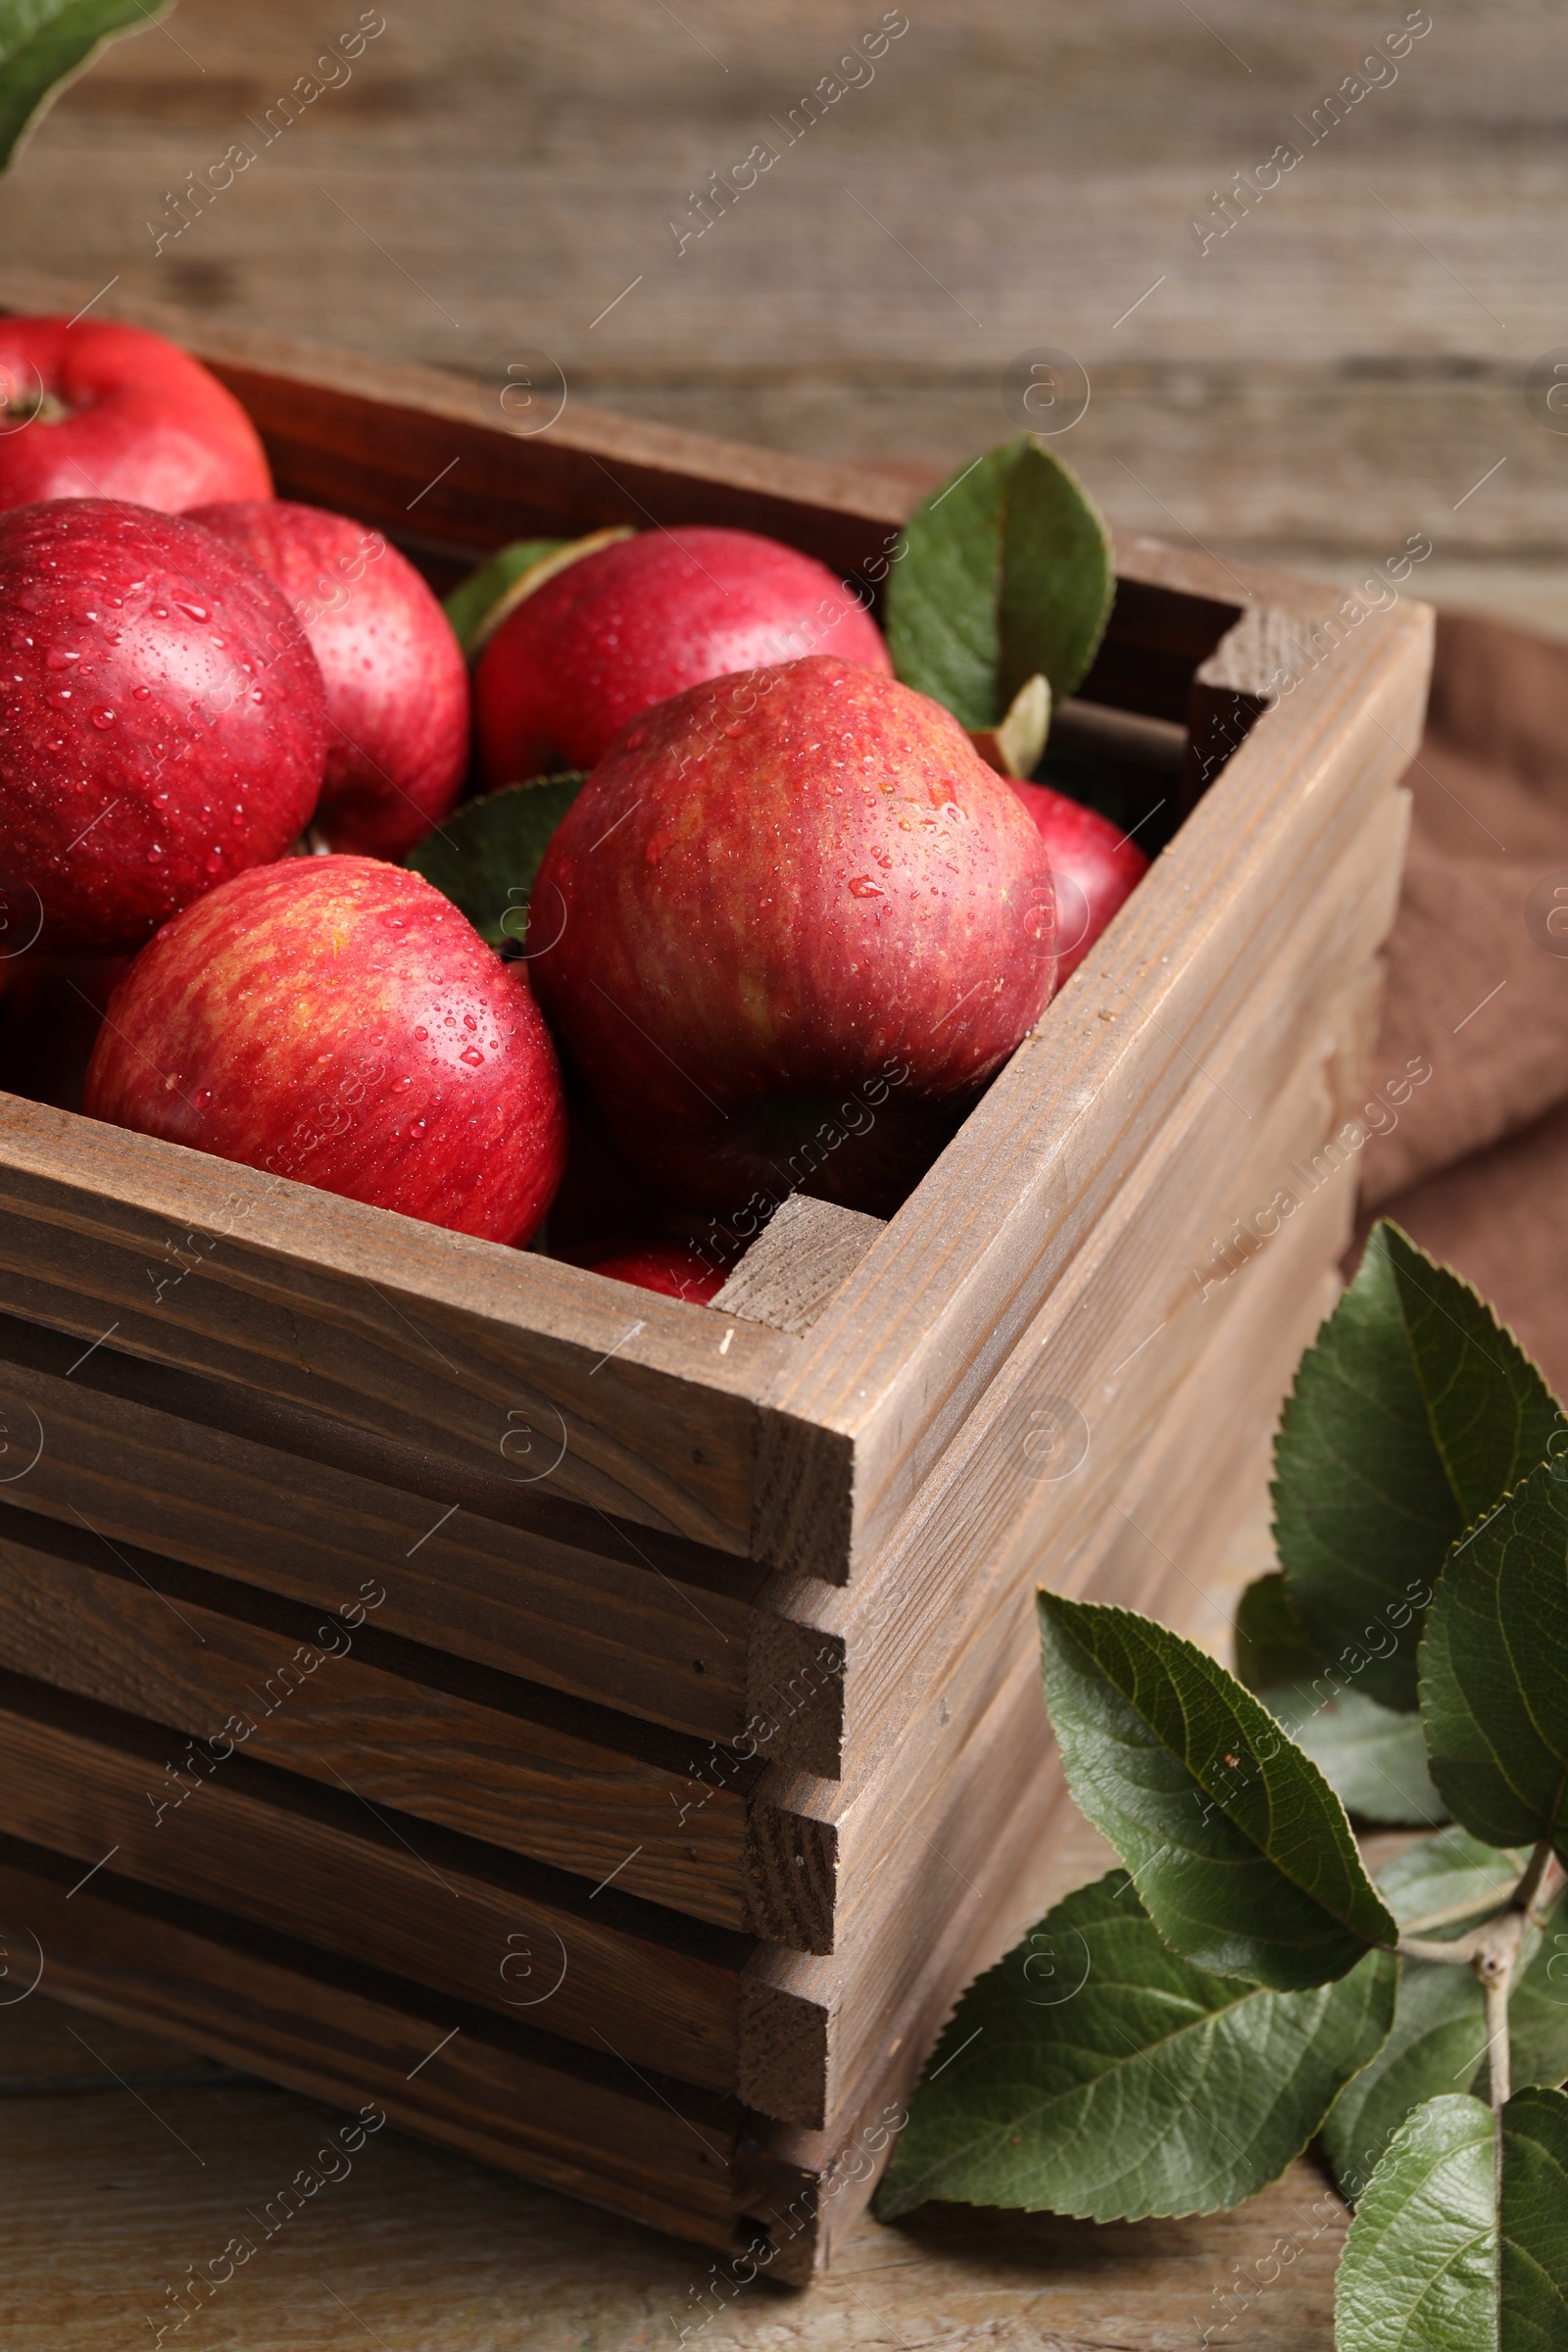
(1330, 376)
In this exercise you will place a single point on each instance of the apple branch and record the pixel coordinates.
(1541, 1863)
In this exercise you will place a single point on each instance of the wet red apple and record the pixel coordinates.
(163, 723)
(1097, 867)
(674, 1268)
(794, 923)
(396, 685)
(336, 1020)
(630, 624)
(100, 411)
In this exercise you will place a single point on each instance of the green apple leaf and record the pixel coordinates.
(1439, 1888)
(1411, 1416)
(1441, 1885)
(1538, 2007)
(1272, 1644)
(1419, 2271)
(1495, 1669)
(1534, 2263)
(1004, 572)
(1431, 2265)
(484, 857)
(1096, 2072)
(1437, 2045)
(474, 601)
(44, 44)
(1374, 1759)
(1240, 1849)
(478, 604)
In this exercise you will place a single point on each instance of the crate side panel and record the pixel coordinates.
(623, 1633)
(664, 2154)
(495, 1357)
(386, 1890)
(513, 1766)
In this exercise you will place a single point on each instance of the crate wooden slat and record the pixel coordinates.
(319, 1862)
(192, 1467)
(695, 1641)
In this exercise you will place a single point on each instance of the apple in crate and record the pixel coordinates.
(795, 923)
(101, 411)
(338, 1021)
(630, 624)
(163, 723)
(1097, 866)
(396, 685)
(674, 1268)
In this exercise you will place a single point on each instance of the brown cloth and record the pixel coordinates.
(1477, 1169)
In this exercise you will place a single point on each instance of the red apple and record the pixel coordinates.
(99, 411)
(675, 1268)
(1096, 867)
(397, 686)
(338, 1021)
(162, 718)
(797, 924)
(633, 623)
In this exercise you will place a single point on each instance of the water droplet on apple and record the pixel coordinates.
(422, 1035)
(57, 658)
(103, 718)
(196, 612)
(155, 852)
(862, 887)
(215, 861)
(159, 612)
(142, 693)
(471, 1055)
(257, 696)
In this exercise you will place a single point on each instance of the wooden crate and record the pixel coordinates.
(645, 1738)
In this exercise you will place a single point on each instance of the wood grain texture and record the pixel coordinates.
(805, 1254)
(1179, 1492)
(584, 2122)
(900, 1960)
(1318, 382)
(583, 1791)
(375, 1886)
(209, 1473)
(437, 2253)
(404, 1330)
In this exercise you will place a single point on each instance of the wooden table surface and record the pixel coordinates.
(1345, 367)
